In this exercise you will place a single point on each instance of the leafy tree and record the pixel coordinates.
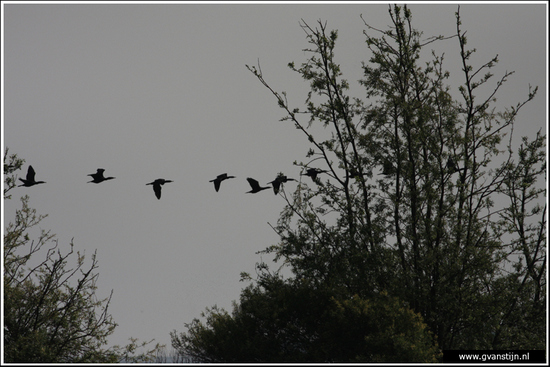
(51, 311)
(288, 322)
(408, 201)
(524, 221)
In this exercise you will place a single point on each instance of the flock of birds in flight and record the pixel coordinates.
(98, 177)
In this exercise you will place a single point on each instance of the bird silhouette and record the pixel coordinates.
(157, 185)
(387, 168)
(218, 180)
(452, 167)
(255, 186)
(98, 176)
(280, 179)
(29, 181)
(313, 172)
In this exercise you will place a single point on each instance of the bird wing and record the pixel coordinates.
(217, 184)
(276, 186)
(30, 174)
(253, 183)
(156, 188)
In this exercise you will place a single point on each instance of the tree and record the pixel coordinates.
(409, 203)
(51, 312)
(280, 321)
(525, 221)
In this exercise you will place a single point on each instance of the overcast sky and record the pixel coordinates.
(161, 91)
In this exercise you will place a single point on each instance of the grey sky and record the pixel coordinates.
(161, 91)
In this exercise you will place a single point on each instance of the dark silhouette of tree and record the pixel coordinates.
(412, 207)
(428, 229)
(281, 321)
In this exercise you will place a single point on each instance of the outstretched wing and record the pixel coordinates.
(156, 188)
(276, 186)
(217, 184)
(30, 174)
(253, 183)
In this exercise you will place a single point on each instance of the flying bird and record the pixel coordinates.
(255, 186)
(98, 176)
(280, 179)
(29, 181)
(157, 185)
(218, 180)
(313, 172)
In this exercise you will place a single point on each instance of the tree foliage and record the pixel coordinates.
(51, 310)
(281, 321)
(424, 198)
